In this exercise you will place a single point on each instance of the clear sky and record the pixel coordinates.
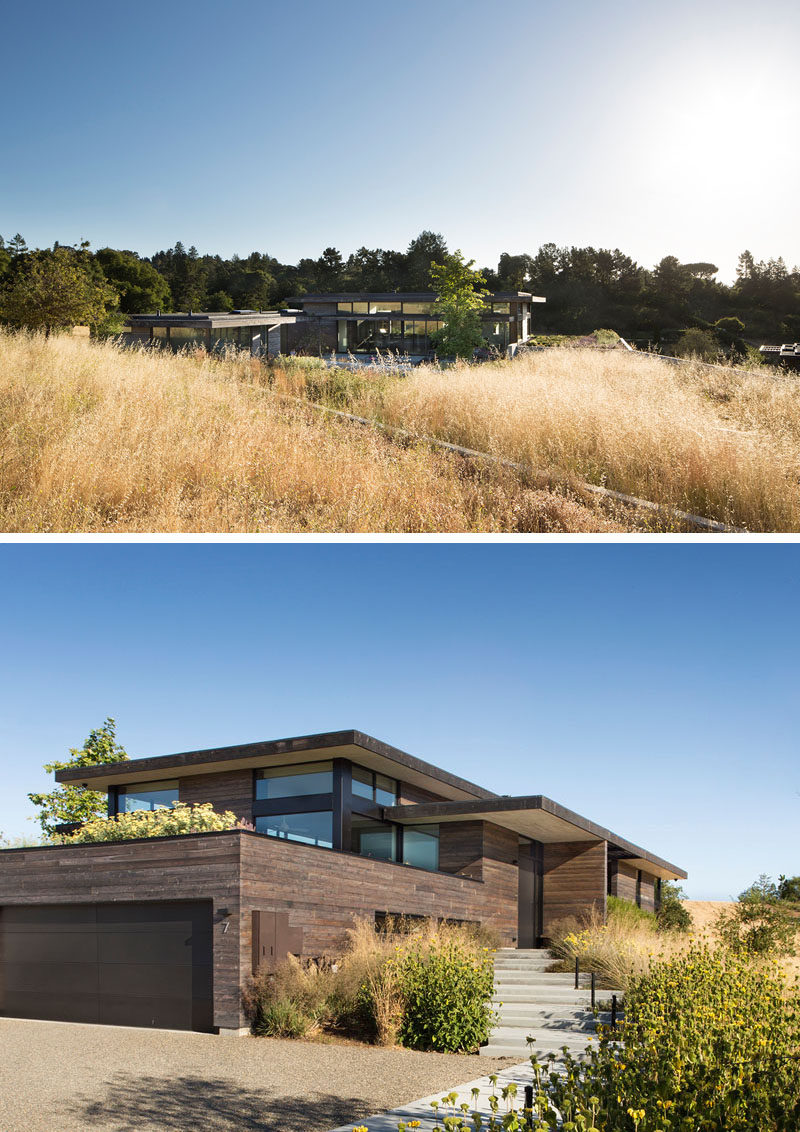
(654, 689)
(285, 128)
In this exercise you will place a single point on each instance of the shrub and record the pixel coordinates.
(291, 1002)
(605, 337)
(710, 1041)
(697, 343)
(447, 989)
(672, 914)
(624, 914)
(757, 924)
(789, 888)
(180, 818)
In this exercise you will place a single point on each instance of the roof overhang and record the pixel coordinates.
(213, 320)
(537, 817)
(362, 749)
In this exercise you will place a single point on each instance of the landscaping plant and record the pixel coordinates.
(180, 818)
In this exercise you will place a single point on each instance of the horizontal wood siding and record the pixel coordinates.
(461, 848)
(574, 879)
(227, 790)
(648, 893)
(624, 884)
(408, 794)
(324, 891)
(204, 867)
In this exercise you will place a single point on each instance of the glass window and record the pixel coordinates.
(381, 305)
(385, 790)
(344, 308)
(421, 846)
(147, 796)
(501, 308)
(295, 781)
(311, 829)
(417, 308)
(376, 787)
(360, 308)
(362, 783)
(374, 839)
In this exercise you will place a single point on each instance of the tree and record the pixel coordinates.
(758, 925)
(55, 290)
(68, 803)
(420, 256)
(460, 298)
(789, 889)
(672, 914)
(141, 288)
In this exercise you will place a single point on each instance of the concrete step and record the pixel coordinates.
(540, 977)
(541, 995)
(528, 1017)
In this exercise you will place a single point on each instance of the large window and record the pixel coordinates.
(311, 829)
(374, 839)
(421, 846)
(376, 788)
(294, 781)
(146, 796)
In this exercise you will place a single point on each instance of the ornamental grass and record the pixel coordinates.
(724, 444)
(98, 438)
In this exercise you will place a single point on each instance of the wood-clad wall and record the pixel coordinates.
(226, 790)
(574, 879)
(204, 867)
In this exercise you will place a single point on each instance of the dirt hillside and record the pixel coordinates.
(705, 912)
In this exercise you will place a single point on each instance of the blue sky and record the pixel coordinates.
(650, 688)
(262, 125)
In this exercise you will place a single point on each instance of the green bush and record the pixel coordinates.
(672, 915)
(758, 924)
(697, 343)
(178, 819)
(447, 991)
(626, 914)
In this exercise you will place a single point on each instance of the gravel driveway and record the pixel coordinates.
(74, 1078)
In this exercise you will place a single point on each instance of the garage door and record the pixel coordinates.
(121, 964)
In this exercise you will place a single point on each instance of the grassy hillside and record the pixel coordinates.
(724, 444)
(101, 439)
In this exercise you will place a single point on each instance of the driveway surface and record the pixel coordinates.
(76, 1078)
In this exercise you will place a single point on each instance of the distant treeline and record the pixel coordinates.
(585, 288)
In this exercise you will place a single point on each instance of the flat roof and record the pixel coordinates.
(402, 296)
(533, 816)
(537, 817)
(351, 744)
(211, 320)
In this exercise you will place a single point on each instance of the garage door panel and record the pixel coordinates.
(52, 978)
(62, 1006)
(146, 980)
(126, 964)
(134, 946)
(49, 917)
(47, 947)
(136, 1010)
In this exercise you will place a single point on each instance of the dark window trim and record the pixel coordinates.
(299, 804)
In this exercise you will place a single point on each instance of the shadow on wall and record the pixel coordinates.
(175, 1104)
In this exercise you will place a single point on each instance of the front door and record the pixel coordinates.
(529, 917)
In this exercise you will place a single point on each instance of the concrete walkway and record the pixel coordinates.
(521, 1075)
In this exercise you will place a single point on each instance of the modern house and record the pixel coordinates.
(166, 931)
(359, 323)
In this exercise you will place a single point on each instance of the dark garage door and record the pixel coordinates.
(121, 964)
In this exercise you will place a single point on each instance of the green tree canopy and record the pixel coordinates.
(68, 803)
(460, 297)
(141, 288)
(55, 290)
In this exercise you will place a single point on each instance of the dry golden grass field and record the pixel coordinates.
(98, 438)
(721, 443)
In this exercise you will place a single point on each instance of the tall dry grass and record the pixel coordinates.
(722, 444)
(97, 438)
